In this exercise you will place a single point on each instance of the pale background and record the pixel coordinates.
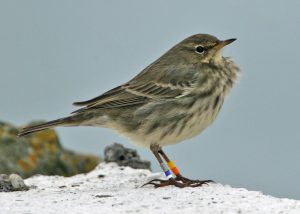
(55, 52)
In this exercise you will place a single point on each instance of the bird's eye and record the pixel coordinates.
(200, 49)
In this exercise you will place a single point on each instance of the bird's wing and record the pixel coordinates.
(136, 92)
(152, 83)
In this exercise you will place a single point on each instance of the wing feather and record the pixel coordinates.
(141, 90)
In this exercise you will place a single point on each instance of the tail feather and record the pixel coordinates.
(67, 121)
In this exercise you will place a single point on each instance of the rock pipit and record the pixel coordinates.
(173, 99)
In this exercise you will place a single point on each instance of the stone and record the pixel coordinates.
(39, 153)
(13, 182)
(17, 182)
(125, 157)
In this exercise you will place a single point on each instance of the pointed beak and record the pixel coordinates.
(223, 43)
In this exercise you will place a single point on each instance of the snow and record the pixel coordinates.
(113, 189)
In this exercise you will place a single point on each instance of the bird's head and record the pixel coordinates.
(201, 48)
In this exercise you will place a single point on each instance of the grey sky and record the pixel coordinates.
(53, 53)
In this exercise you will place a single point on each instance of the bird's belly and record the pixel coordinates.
(185, 131)
(168, 131)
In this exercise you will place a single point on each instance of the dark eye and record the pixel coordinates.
(200, 49)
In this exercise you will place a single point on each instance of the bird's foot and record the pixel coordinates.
(187, 180)
(176, 182)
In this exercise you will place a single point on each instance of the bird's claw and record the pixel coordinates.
(187, 180)
(178, 182)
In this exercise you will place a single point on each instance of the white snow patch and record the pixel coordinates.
(120, 191)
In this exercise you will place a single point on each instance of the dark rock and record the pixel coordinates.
(39, 153)
(101, 176)
(103, 196)
(125, 157)
(13, 182)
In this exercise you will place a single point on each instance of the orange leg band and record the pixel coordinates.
(173, 167)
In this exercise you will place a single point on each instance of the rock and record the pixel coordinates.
(125, 157)
(39, 153)
(13, 182)
(120, 191)
(17, 182)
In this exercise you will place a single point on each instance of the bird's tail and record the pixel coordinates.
(67, 121)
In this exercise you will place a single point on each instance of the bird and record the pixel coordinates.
(173, 99)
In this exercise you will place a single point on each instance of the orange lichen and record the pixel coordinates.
(47, 135)
(26, 165)
(37, 146)
(32, 157)
(51, 147)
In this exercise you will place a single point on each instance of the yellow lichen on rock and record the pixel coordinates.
(47, 135)
(40, 153)
(26, 165)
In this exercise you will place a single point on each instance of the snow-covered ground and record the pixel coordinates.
(113, 189)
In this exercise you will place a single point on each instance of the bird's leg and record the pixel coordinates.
(159, 182)
(176, 172)
(155, 148)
